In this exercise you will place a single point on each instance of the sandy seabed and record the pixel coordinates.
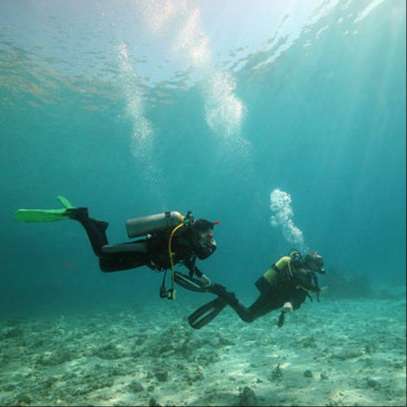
(332, 353)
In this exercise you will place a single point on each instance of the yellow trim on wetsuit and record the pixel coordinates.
(271, 274)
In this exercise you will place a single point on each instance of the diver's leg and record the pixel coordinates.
(109, 260)
(95, 229)
(260, 307)
(121, 261)
(244, 313)
(207, 312)
(203, 315)
(230, 299)
(264, 303)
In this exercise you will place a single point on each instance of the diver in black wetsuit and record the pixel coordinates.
(190, 239)
(164, 240)
(287, 283)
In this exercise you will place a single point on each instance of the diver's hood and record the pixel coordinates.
(203, 247)
(202, 225)
(315, 262)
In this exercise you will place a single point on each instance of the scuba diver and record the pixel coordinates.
(163, 240)
(287, 283)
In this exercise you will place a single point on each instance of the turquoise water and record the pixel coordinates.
(146, 106)
(284, 120)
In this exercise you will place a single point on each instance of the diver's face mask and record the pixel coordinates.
(315, 262)
(318, 267)
(204, 243)
(206, 239)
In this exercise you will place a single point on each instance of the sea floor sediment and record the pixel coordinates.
(334, 353)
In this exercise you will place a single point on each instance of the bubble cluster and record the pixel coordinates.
(282, 216)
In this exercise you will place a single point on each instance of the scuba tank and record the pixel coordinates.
(153, 223)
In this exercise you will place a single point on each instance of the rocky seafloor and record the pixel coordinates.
(331, 353)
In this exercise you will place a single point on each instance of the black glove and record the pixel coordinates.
(281, 319)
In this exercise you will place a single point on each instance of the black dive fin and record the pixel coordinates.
(189, 283)
(203, 315)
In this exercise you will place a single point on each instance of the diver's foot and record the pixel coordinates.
(221, 292)
(77, 213)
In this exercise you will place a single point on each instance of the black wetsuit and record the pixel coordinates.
(151, 251)
(276, 286)
(284, 288)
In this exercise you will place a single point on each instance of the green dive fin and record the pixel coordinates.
(45, 215)
(64, 202)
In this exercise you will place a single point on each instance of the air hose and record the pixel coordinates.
(170, 292)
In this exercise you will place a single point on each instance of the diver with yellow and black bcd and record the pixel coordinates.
(286, 285)
(163, 240)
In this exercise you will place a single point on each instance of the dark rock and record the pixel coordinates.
(161, 375)
(140, 339)
(135, 387)
(369, 349)
(348, 354)
(13, 332)
(308, 342)
(153, 402)
(308, 373)
(55, 358)
(373, 383)
(109, 352)
(48, 382)
(247, 397)
(397, 364)
(9, 387)
(277, 373)
(23, 399)
(223, 341)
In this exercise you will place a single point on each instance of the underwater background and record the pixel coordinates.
(131, 108)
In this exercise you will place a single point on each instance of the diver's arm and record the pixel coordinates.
(294, 302)
(194, 272)
(297, 298)
(287, 308)
(202, 278)
(193, 269)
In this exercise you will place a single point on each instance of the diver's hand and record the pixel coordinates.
(204, 281)
(287, 307)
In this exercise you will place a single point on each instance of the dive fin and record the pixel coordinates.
(64, 202)
(203, 315)
(188, 282)
(45, 215)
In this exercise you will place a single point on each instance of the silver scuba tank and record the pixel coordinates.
(153, 223)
